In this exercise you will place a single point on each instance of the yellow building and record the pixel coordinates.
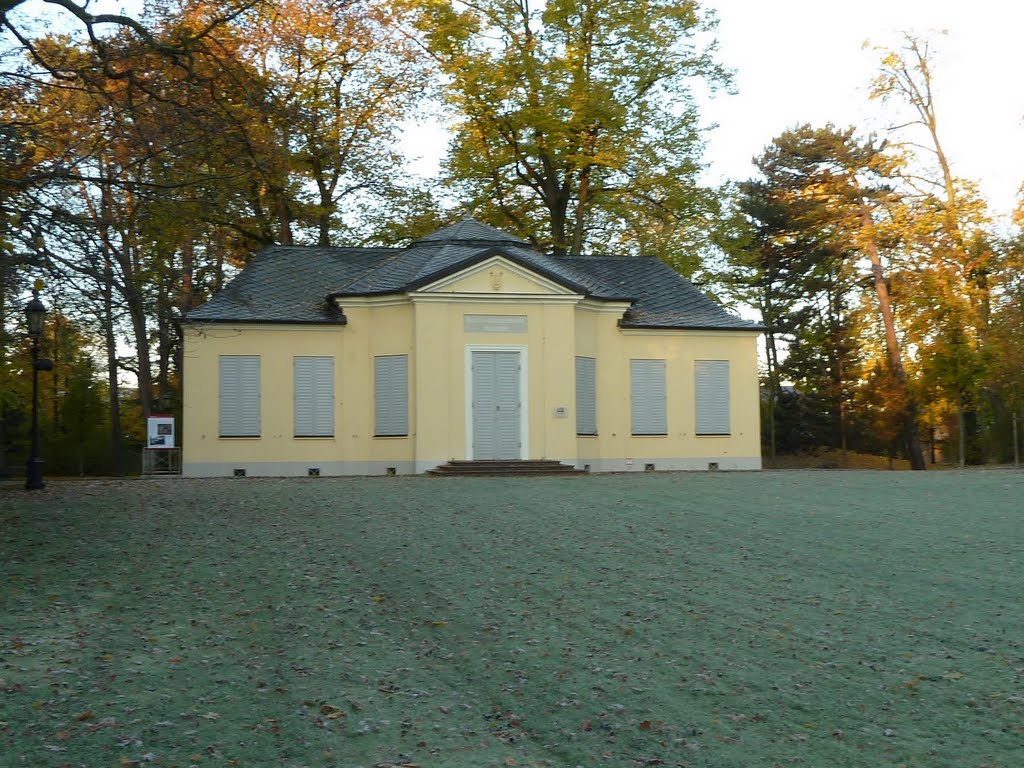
(465, 345)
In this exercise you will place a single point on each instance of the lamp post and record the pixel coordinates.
(35, 315)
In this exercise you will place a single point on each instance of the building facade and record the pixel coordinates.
(465, 345)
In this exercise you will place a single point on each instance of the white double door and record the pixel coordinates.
(496, 404)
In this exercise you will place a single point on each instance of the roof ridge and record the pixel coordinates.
(466, 230)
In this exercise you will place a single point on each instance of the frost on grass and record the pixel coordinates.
(777, 619)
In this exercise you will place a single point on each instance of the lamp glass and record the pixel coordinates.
(35, 314)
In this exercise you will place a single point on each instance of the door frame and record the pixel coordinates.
(524, 394)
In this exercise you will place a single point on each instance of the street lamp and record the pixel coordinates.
(35, 315)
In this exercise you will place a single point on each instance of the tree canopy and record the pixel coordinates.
(887, 290)
(574, 119)
(144, 158)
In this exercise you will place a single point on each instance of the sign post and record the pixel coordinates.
(161, 456)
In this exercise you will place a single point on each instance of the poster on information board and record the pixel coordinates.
(160, 431)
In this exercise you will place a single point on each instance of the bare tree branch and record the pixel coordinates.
(91, 22)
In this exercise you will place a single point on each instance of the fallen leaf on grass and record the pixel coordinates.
(332, 712)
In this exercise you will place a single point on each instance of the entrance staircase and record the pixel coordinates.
(502, 468)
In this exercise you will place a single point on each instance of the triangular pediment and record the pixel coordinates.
(499, 276)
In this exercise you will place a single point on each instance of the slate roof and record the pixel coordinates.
(289, 284)
(303, 284)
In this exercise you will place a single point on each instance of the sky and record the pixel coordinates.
(798, 61)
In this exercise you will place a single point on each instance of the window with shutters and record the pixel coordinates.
(314, 396)
(586, 396)
(647, 397)
(239, 396)
(711, 391)
(391, 396)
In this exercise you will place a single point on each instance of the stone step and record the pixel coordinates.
(495, 467)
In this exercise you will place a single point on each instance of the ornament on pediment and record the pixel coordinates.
(497, 279)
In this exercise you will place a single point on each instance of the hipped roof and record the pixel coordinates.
(306, 284)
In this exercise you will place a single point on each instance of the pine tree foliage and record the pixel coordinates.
(812, 218)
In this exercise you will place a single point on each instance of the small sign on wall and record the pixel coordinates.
(160, 431)
(494, 323)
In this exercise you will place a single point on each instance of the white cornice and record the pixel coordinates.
(716, 332)
(604, 307)
(419, 297)
(214, 328)
(388, 300)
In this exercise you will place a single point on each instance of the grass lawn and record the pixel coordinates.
(822, 619)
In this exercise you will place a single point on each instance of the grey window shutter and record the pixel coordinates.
(586, 396)
(314, 396)
(239, 396)
(712, 397)
(391, 395)
(647, 397)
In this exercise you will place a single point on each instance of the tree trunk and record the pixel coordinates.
(325, 214)
(186, 300)
(55, 379)
(141, 333)
(911, 438)
(961, 436)
(188, 258)
(772, 363)
(5, 273)
(165, 346)
(843, 426)
(558, 206)
(1016, 442)
(324, 227)
(132, 294)
(116, 466)
(581, 213)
